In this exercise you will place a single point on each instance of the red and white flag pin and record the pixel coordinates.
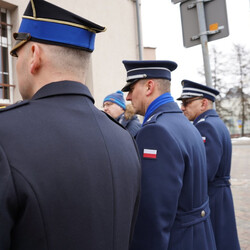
(149, 153)
(204, 139)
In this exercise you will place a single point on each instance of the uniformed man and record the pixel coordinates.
(69, 176)
(114, 105)
(197, 106)
(174, 210)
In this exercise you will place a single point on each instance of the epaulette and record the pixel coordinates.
(15, 105)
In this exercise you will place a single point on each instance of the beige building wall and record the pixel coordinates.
(107, 73)
(149, 53)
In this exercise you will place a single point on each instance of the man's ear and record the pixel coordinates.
(150, 86)
(35, 62)
(204, 104)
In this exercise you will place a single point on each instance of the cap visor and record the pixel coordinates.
(127, 87)
(17, 46)
(187, 97)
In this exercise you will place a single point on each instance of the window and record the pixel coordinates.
(6, 86)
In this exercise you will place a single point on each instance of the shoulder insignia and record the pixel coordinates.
(13, 106)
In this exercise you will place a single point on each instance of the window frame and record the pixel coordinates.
(6, 42)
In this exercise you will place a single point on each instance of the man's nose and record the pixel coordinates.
(128, 98)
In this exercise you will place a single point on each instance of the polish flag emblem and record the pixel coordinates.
(204, 139)
(149, 153)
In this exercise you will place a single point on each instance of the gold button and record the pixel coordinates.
(203, 213)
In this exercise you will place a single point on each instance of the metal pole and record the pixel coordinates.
(138, 13)
(204, 41)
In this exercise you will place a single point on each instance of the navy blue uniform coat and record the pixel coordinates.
(219, 152)
(174, 210)
(69, 176)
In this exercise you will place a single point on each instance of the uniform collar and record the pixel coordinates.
(170, 107)
(155, 104)
(210, 112)
(63, 88)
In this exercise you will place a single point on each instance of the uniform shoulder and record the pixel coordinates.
(211, 120)
(112, 119)
(13, 106)
(207, 116)
(204, 122)
(154, 130)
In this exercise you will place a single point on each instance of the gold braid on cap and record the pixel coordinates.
(33, 8)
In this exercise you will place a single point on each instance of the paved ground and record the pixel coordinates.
(240, 179)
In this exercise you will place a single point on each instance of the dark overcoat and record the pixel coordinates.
(174, 210)
(219, 153)
(69, 176)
